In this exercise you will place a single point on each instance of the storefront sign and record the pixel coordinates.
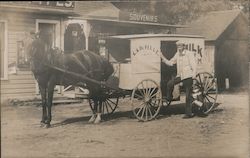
(138, 17)
(53, 4)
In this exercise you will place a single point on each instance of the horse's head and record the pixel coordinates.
(38, 51)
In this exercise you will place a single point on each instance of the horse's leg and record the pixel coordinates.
(99, 112)
(50, 92)
(93, 117)
(44, 101)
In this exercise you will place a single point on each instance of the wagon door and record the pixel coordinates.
(168, 49)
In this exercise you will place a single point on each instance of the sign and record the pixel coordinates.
(145, 56)
(132, 16)
(51, 4)
(144, 50)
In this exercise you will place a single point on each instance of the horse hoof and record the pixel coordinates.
(42, 124)
(97, 121)
(92, 119)
(47, 126)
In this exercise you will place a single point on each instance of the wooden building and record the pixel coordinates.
(71, 25)
(17, 21)
(226, 39)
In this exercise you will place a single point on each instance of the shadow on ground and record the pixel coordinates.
(165, 112)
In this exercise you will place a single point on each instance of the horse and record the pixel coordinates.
(43, 58)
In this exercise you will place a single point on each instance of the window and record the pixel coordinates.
(3, 49)
(22, 50)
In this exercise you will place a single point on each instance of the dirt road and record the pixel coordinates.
(224, 133)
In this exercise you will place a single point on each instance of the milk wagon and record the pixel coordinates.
(140, 72)
(141, 76)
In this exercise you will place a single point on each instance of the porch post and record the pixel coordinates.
(86, 30)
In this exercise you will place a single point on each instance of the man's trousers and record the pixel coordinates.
(187, 83)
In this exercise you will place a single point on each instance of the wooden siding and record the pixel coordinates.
(21, 84)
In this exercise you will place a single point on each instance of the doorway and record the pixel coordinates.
(50, 32)
(168, 49)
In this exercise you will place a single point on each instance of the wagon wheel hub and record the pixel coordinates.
(147, 99)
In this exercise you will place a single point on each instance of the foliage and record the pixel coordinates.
(179, 11)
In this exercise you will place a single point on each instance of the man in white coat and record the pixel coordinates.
(186, 71)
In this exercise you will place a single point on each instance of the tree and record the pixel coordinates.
(178, 11)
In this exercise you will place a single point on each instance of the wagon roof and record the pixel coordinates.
(134, 36)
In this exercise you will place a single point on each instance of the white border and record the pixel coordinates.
(5, 75)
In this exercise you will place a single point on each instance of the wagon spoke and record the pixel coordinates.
(206, 98)
(140, 105)
(199, 78)
(154, 94)
(147, 88)
(207, 83)
(138, 112)
(208, 104)
(143, 111)
(155, 99)
(143, 88)
(152, 91)
(110, 104)
(209, 88)
(146, 109)
(141, 92)
(211, 97)
(153, 107)
(111, 101)
(139, 96)
(150, 113)
(154, 103)
(107, 107)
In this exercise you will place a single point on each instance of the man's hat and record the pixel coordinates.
(180, 43)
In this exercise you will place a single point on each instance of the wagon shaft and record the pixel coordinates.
(85, 78)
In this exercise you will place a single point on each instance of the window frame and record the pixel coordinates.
(57, 29)
(5, 55)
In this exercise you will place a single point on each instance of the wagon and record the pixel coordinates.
(140, 72)
(141, 76)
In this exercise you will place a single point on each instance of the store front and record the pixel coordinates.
(19, 21)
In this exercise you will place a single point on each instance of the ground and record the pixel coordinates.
(224, 133)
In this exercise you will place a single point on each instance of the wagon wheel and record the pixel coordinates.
(146, 100)
(208, 87)
(108, 105)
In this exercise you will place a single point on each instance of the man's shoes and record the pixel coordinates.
(187, 116)
(169, 98)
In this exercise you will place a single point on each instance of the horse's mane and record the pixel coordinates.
(82, 62)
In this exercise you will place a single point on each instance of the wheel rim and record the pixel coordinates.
(208, 86)
(146, 100)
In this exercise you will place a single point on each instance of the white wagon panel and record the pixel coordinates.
(145, 62)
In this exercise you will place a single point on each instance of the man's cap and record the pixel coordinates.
(180, 43)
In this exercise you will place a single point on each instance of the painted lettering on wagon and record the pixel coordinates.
(147, 49)
(197, 49)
